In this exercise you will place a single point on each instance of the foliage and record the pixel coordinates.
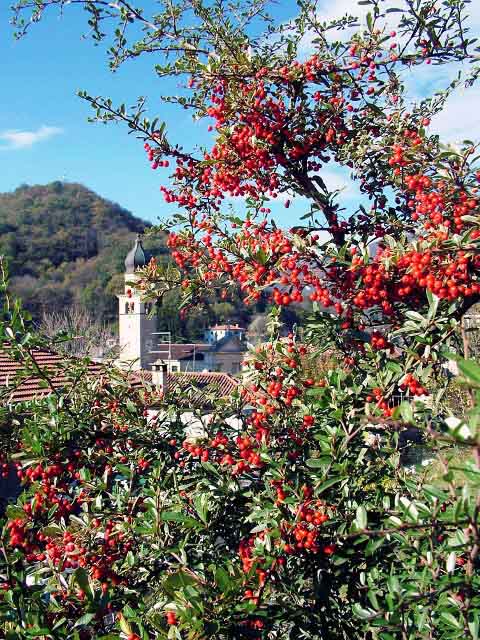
(296, 519)
(65, 246)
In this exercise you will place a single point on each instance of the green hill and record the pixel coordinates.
(66, 246)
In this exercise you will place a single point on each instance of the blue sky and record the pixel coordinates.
(45, 136)
(40, 75)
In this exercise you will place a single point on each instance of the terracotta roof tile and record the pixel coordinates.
(203, 383)
(31, 388)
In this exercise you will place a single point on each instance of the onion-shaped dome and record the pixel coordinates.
(136, 257)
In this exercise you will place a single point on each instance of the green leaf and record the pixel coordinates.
(179, 580)
(201, 506)
(373, 545)
(433, 302)
(409, 508)
(222, 579)
(81, 578)
(415, 316)
(59, 623)
(314, 463)
(361, 517)
(327, 484)
(470, 370)
(124, 626)
(406, 411)
(129, 559)
(176, 516)
(363, 614)
(84, 620)
(369, 21)
(474, 626)
(451, 620)
(261, 257)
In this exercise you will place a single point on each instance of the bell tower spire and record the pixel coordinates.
(134, 324)
(136, 257)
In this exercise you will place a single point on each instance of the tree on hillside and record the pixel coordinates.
(300, 521)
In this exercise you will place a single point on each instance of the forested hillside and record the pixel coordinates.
(66, 246)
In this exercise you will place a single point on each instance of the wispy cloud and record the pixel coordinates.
(460, 120)
(17, 139)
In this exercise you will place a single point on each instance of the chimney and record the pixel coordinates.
(160, 376)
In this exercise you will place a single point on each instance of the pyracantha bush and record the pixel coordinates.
(292, 514)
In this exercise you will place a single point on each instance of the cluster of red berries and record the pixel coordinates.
(152, 155)
(16, 530)
(240, 455)
(303, 535)
(381, 402)
(413, 386)
(378, 341)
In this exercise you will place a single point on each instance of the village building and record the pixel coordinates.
(141, 344)
(206, 366)
(203, 368)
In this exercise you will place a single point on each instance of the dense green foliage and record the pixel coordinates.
(295, 518)
(66, 246)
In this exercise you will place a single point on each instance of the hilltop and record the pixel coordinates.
(66, 246)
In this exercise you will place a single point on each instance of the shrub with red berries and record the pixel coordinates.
(292, 513)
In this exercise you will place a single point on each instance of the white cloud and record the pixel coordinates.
(15, 139)
(460, 119)
(338, 178)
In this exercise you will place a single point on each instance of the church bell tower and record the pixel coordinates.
(134, 324)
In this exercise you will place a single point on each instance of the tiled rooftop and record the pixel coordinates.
(205, 384)
(31, 388)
